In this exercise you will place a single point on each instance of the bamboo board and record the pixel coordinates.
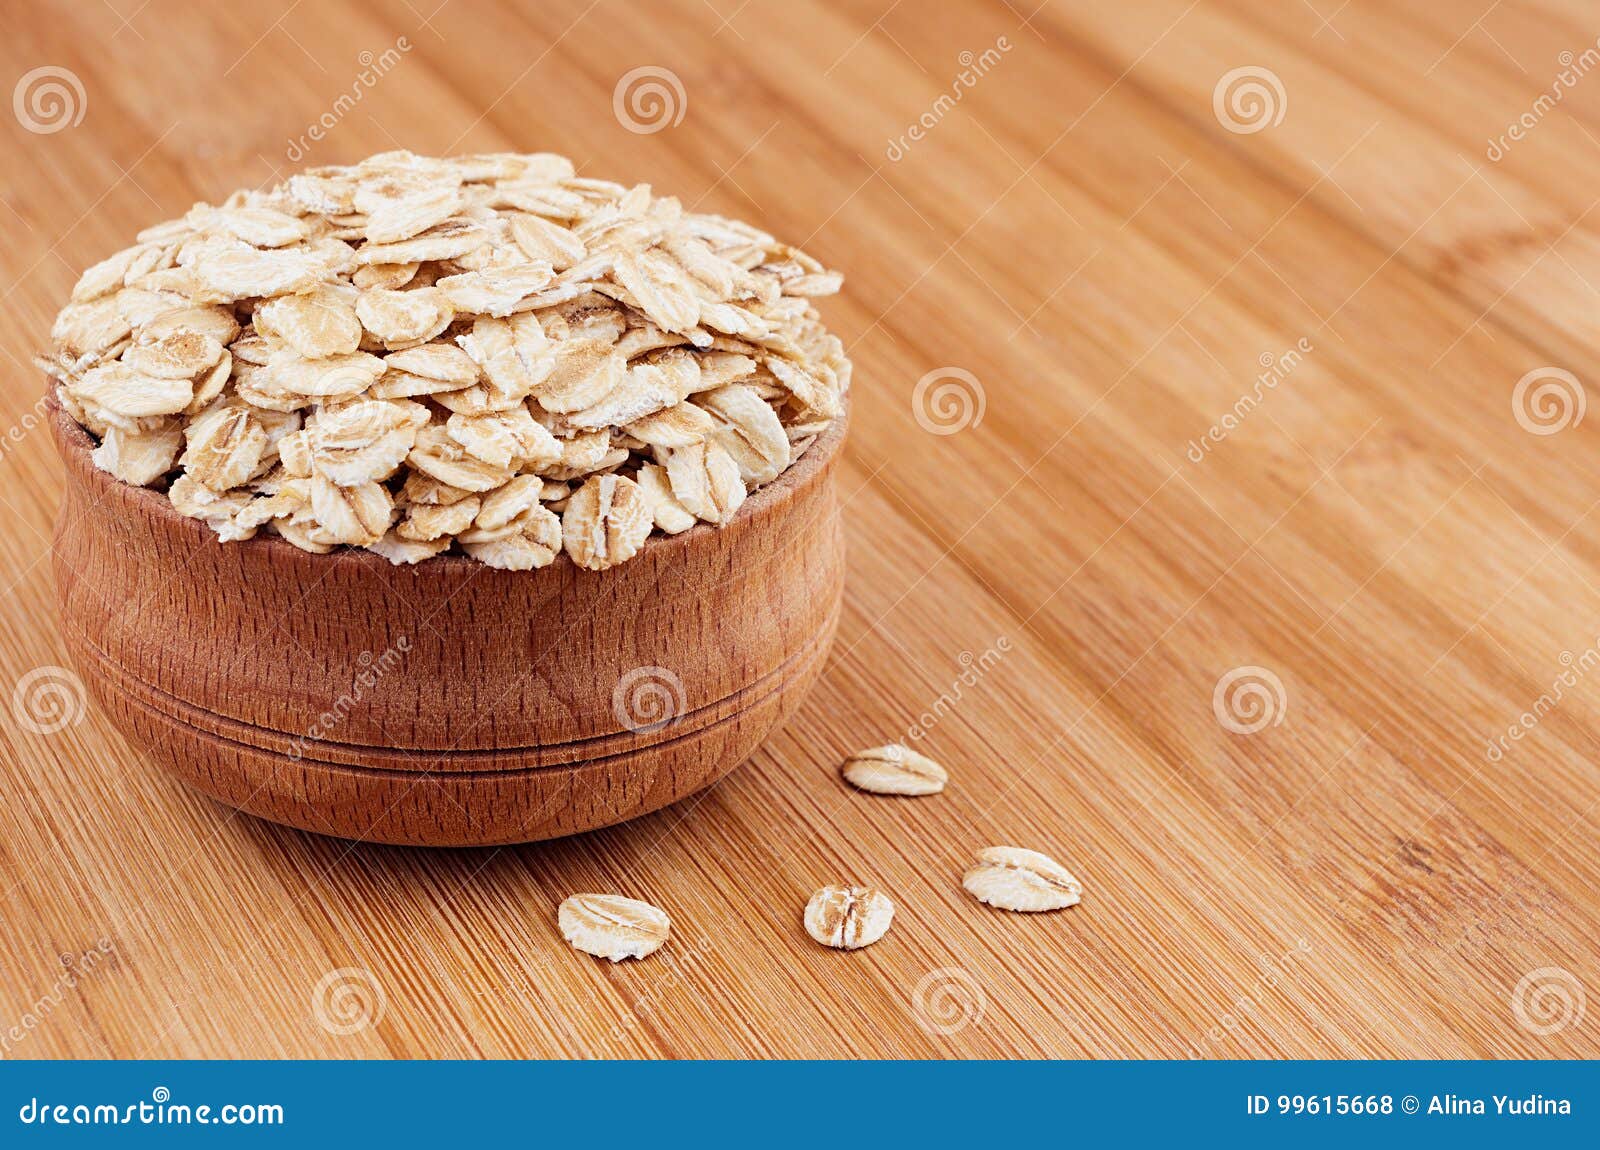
(1046, 599)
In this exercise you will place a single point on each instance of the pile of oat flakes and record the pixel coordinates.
(487, 351)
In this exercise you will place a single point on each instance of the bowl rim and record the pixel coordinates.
(75, 445)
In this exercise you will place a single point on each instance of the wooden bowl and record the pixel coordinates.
(446, 704)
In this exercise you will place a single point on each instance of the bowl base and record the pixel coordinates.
(453, 807)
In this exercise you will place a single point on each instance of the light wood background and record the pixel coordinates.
(1083, 235)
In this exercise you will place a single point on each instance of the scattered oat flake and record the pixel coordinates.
(258, 227)
(332, 377)
(1012, 878)
(894, 770)
(426, 522)
(677, 426)
(442, 361)
(224, 447)
(848, 917)
(358, 515)
(450, 240)
(613, 927)
(404, 552)
(439, 455)
(542, 240)
(402, 318)
(584, 373)
(121, 389)
(531, 540)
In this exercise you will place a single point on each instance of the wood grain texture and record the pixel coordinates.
(1045, 601)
